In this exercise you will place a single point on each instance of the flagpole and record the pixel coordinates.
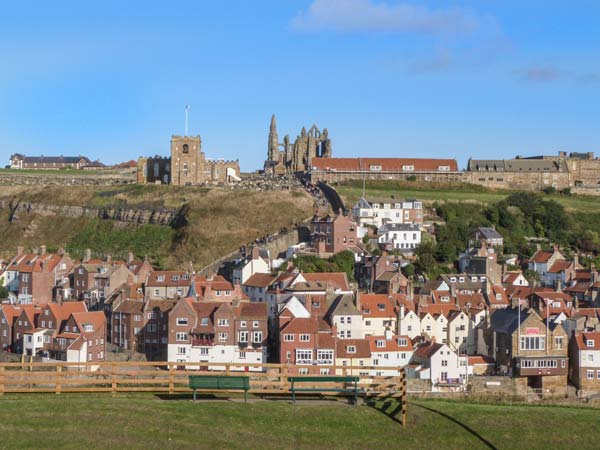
(187, 107)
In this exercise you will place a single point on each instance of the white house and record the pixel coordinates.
(258, 263)
(389, 350)
(346, 318)
(378, 314)
(400, 236)
(378, 213)
(441, 366)
(435, 326)
(409, 323)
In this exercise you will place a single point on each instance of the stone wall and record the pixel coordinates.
(59, 179)
(141, 216)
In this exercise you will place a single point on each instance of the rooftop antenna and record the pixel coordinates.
(187, 107)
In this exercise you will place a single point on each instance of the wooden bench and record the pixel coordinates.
(220, 382)
(325, 379)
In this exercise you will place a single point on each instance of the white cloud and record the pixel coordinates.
(376, 16)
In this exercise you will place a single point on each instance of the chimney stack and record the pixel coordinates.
(42, 250)
(129, 257)
(87, 255)
(108, 259)
(20, 250)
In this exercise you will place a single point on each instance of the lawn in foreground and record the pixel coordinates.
(149, 422)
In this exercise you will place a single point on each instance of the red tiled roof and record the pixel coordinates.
(582, 340)
(427, 349)
(168, 278)
(559, 266)
(377, 305)
(541, 256)
(339, 280)
(361, 346)
(480, 359)
(387, 164)
(261, 280)
(391, 345)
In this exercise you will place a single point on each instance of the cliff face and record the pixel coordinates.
(127, 215)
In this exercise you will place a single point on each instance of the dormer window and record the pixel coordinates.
(453, 279)
(160, 278)
(402, 342)
(381, 306)
(375, 167)
(184, 276)
(590, 343)
(367, 311)
(498, 296)
(351, 349)
(408, 168)
(88, 327)
(461, 280)
(204, 321)
(175, 278)
(380, 343)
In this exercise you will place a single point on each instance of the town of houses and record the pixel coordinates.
(482, 320)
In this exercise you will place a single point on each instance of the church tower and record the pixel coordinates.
(273, 153)
(187, 160)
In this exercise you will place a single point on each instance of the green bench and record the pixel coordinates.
(220, 382)
(328, 379)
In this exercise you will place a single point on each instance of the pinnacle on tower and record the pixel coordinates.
(273, 123)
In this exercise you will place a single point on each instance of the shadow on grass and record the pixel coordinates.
(389, 408)
(186, 396)
(459, 423)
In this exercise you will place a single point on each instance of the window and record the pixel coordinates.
(324, 356)
(533, 343)
(444, 363)
(351, 349)
(243, 324)
(223, 322)
(181, 321)
(303, 356)
(89, 327)
(151, 327)
(89, 356)
(303, 371)
(137, 318)
(257, 337)
(342, 319)
(242, 355)
(151, 315)
(255, 324)
(288, 338)
(380, 343)
(181, 336)
(222, 337)
(559, 342)
(181, 350)
(324, 371)
(304, 337)
(589, 343)
(243, 336)
(590, 374)
(402, 342)
(204, 321)
(204, 351)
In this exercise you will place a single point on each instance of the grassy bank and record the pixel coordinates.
(149, 422)
(459, 192)
(218, 221)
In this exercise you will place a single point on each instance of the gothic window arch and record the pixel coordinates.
(156, 169)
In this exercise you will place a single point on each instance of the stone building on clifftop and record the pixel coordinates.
(187, 166)
(288, 157)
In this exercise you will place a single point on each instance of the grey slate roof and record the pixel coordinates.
(516, 165)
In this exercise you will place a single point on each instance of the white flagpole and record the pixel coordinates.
(187, 107)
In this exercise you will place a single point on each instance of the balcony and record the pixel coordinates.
(203, 342)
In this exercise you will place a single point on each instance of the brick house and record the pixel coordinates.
(584, 356)
(25, 323)
(8, 317)
(331, 235)
(34, 276)
(218, 332)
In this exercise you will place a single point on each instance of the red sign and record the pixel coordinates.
(532, 330)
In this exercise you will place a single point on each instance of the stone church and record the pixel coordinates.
(288, 157)
(186, 166)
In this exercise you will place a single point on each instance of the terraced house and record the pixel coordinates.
(218, 332)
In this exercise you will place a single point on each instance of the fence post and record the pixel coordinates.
(171, 379)
(1, 380)
(404, 398)
(227, 369)
(113, 379)
(58, 382)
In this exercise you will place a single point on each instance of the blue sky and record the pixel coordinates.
(399, 78)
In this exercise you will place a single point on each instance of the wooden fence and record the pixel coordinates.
(171, 378)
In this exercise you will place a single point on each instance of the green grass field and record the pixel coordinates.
(146, 421)
(429, 193)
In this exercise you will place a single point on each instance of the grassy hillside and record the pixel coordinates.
(149, 422)
(217, 221)
(459, 192)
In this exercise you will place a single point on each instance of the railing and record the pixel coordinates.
(113, 377)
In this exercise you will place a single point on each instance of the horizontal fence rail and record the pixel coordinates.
(59, 377)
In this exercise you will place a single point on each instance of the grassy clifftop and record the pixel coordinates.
(216, 221)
